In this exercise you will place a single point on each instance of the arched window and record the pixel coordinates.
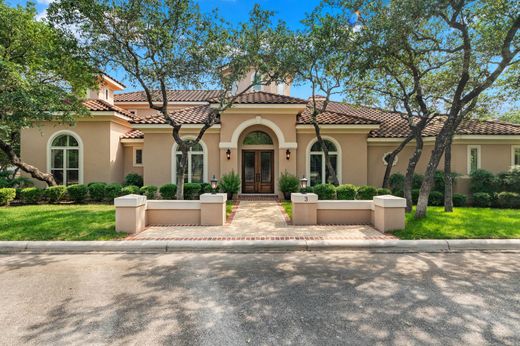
(256, 82)
(258, 138)
(317, 168)
(65, 159)
(197, 171)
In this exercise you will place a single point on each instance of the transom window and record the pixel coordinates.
(196, 172)
(258, 138)
(473, 158)
(65, 160)
(318, 171)
(516, 156)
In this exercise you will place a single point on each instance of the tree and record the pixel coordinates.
(43, 77)
(512, 116)
(455, 54)
(169, 44)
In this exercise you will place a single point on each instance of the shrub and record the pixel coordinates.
(481, 199)
(415, 195)
(325, 191)
(133, 179)
(438, 182)
(382, 191)
(54, 194)
(508, 200)
(288, 183)
(130, 190)
(30, 195)
(7, 180)
(417, 181)
(7, 195)
(459, 200)
(396, 182)
(96, 191)
(192, 191)
(308, 189)
(78, 193)
(436, 198)
(366, 192)
(112, 191)
(346, 192)
(509, 181)
(205, 188)
(482, 181)
(230, 183)
(168, 191)
(149, 191)
(398, 193)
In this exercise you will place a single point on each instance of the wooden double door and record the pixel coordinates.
(258, 171)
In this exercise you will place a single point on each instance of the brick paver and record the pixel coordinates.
(260, 220)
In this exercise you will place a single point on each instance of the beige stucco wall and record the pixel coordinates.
(272, 88)
(128, 160)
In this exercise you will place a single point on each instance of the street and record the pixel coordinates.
(299, 298)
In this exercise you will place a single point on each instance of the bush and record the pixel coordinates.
(398, 193)
(7, 180)
(192, 191)
(168, 191)
(481, 199)
(30, 195)
(382, 191)
(396, 182)
(288, 183)
(509, 181)
(415, 195)
(112, 191)
(346, 192)
(308, 189)
(205, 188)
(436, 198)
(134, 179)
(459, 200)
(78, 193)
(325, 191)
(482, 181)
(508, 200)
(366, 192)
(54, 194)
(130, 190)
(96, 191)
(230, 183)
(438, 182)
(149, 191)
(7, 194)
(417, 181)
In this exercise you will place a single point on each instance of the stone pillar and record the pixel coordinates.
(389, 213)
(304, 208)
(213, 209)
(130, 213)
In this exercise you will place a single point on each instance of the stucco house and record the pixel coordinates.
(265, 133)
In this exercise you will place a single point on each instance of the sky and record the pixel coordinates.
(234, 11)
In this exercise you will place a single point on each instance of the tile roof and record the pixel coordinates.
(262, 97)
(173, 96)
(133, 134)
(103, 106)
(190, 115)
(334, 118)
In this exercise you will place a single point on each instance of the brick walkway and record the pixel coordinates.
(260, 220)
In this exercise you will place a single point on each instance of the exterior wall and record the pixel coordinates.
(128, 161)
(272, 88)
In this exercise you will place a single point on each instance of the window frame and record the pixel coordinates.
(338, 154)
(50, 147)
(479, 157)
(134, 160)
(204, 161)
(514, 148)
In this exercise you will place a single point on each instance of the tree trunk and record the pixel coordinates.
(410, 171)
(181, 172)
(27, 168)
(391, 159)
(448, 178)
(325, 150)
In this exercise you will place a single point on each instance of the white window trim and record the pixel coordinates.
(80, 149)
(135, 156)
(204, 158)
(396, 160)
(513, 149)
(339, 157)
(479, 157)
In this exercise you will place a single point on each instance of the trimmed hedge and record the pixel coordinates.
(192, 191)
(482, 181)
(366, 192)
(112, 191)
(288, 183)
(346, 192)
(168, 191)
(308, 189)
(482, 199)
(130, 190)
(436, 199)
(77, 192)
(325, 191)
(205, 188)
(133, 179)
(150, 191)
(96, 191)
(55, 194)
(508, 200)
(459, 200)
(7, 195)
(30, 195)
(382, 191)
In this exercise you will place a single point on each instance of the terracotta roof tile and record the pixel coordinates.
(133, 134)
(103, 106)
(262, 97)
(190, 115)
(333, 118)
(173, 96)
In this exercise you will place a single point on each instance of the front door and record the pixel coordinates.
(257, 171)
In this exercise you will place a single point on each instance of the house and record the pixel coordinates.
(265, 133)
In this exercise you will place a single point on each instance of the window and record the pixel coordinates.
(515, 161)
(197, 164)
(106, 94)
(65, 159)
(258, 138)
(385, 159)
(257, 83)
(138, 157)
(473, 158)
(280, 88)
(316, 168)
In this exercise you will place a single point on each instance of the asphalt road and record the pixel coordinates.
(300, 298)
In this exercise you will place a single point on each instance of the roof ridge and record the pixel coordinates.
(153, 90)
(354, 116)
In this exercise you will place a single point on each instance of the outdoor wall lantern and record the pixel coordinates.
(228, 154)
(303, 184)
(214, 183)
(288, 154)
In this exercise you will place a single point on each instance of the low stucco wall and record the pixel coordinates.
(173, 212)
(344, 212)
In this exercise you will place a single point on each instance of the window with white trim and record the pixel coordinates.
(65, 160)
(515, 160)
(138, 157)
(473, 158)
(318, 171)
(196, 162)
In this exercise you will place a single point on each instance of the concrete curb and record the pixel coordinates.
(164, 246)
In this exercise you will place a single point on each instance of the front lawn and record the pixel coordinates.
(287, 206)
(58, 222)
(463, 223)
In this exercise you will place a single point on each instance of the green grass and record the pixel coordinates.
(229, 208)
(58, 222)
(287, 206)
(463, 223)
